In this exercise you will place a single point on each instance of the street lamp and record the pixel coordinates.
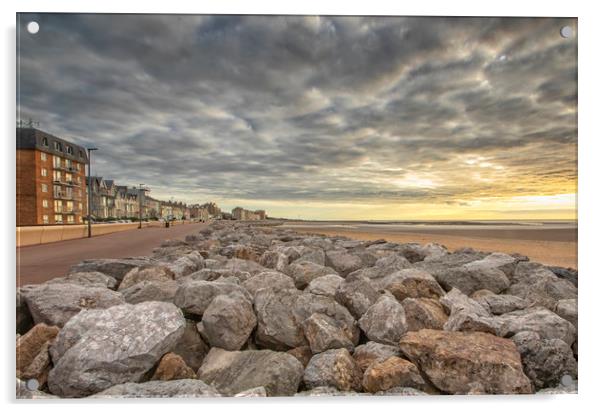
(90, 149)
(140, 191)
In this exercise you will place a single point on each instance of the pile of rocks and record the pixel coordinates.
(243, 310)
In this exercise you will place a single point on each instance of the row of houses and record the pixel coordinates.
(238, 213)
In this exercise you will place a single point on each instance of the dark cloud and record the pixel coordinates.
(310, 108)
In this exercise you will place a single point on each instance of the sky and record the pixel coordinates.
(317, 117)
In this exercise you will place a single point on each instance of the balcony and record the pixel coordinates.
(65, 168)
(63, 195)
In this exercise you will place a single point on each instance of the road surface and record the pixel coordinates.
(39, 263)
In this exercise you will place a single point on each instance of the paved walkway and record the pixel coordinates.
(39, 263)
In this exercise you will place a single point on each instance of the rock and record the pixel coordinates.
(303, 354)
(24, 321)
(195, 296)
(414, 252)
(183, 388)
(211, 274)
(335, 368)
(328, 391)
(33, 360)
(228, 321)
(499, 304)
(186, 265)
(277, 326)
(424, 313)
(539, 286)
(325, 285)
(385, 321)
(97, 349)
(91, 279)
(453, 361)
(568, 309)
(273, 280)
(411, 283)
(116, 268)
(323, 333)
(55, 304)
(356, 294)
(307, 304)
(233, 372)
(398, 391)
(544, 322)
(385, 266)
(258, 392)
(467, 315)
(312, 255)
(565, 273)
(191, 346)
(391, 373)
(472, 277)
(273, 259)
(242, 265)
(545, 361)
(146, 273)
(172, 367)
(22, 392)
(146, 290)
(343, 262)
(318, 242)
(559, 390)
(365, 355)
(304, 272)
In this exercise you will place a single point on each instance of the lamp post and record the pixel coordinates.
(90, 149)
(140, 191)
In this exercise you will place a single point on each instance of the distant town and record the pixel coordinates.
(52, 189)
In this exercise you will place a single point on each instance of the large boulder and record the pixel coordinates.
(465, 314)
(568, 309)
(91, 279)
(195, 296)
(474, 276)
(186, 264)
(191, 347)
(411, 283)
(390, 373)
(33, 359)
(545, 361)
(335, 368)
(56, 303)
(384, 266)
(457, 361)
(116, 268)
(97, 349)
(146, 273)
(325, 285)
(370, 352)
(269, 279)
(164, 291)
(542, 321)
(233, 372)
(499, 304)
(24, 321)
(303, 272)
(539, 286)
(385, 321)
(277, 326)
(228, 321)
(356, 294)
(343, 262)
(424, 313)
(183, 388)
(323, 333)
(243, 265)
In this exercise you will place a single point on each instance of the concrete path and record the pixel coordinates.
(39, 263)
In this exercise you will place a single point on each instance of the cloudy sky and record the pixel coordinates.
(317, 117)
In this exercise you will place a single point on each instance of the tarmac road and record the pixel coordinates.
(39, 263)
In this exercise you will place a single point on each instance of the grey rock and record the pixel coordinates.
(411, 283)
(195, 296)
(312, 255)
(234, 372)
(472, 277)
(97, 349)
(539, 286)
(277, 326)
(499, 304)
(544, 322)
(24, 321)
(228, 321)
(343, 262)
(545, 361)
(356, 294)
(217, 274)
(269, 279)
(385, 321)
(258, 392)
(116, 268)
(370, 352)
(329, 391)
(325, 285)
(565, 273)
(181, 388)
(304, 272)
(146, 273)
(335, 368)
(191, 347)
(323, 333)
(91, 279)
(465, 314)
(164, 291)
(186, 264)
(568, 309)
(400, 391)
(243, 265)
(55, 304)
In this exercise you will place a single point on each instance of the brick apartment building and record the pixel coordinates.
(51, 179)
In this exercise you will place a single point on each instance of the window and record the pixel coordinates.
(68, 162)
(43, 156)
(81, 206)
(44, 203)
(69, 150)
(81, 154)
(70, 219)
(44, 188)
(69, 206)
(58, 146)
(45, 141)
(45, 219)
(56, 161)
(69, 177)
(58, 218)
(44, 172)
(58, 206)
(77, 167)
(56, 175)
(57, 191)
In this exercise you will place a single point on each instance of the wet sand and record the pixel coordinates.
(556, 247)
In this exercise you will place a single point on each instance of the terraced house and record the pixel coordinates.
(50, 179)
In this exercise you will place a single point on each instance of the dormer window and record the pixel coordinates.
(69, 150)
(58, 146)
(45, 141)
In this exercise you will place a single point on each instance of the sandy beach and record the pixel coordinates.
(550, 246)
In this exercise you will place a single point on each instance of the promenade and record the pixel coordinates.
(39, 263)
